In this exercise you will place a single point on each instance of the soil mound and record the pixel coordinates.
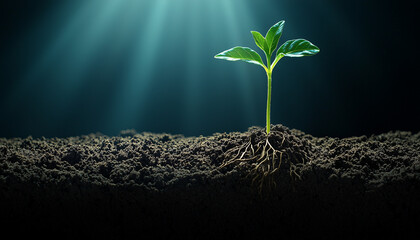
(165, 185)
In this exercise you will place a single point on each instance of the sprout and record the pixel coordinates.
(291, 48)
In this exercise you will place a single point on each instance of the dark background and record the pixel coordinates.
(364, 80)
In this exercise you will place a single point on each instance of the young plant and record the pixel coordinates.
(291, 48)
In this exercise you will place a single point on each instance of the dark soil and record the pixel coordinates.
(134, 185)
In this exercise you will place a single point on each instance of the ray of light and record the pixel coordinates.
(209, 22)
(68, 56)
(132, 95)
(54, 45)
(51, 83)
(237, 22)
(194, 41)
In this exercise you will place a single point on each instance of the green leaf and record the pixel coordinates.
(297, 48)
(273, 36)
(260, 41)
(241, 53)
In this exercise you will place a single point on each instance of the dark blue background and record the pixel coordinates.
(364, 80)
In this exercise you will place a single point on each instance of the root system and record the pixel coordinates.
(268, 155)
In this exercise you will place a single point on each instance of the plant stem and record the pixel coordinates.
(268, 100)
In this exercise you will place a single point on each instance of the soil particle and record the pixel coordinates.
(163, 184)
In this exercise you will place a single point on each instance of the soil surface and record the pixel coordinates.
(142, 184)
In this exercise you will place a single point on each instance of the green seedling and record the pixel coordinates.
(268, 158)
(291, 48)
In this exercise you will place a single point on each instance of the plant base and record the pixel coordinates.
(266, 153)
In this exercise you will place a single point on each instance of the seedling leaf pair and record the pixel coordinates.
(291, 48)
(269, 43)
